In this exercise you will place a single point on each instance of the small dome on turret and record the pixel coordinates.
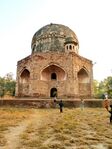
(70, 40)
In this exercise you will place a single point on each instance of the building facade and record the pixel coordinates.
(54, 67)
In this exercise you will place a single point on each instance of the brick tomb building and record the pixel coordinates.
(54, 67)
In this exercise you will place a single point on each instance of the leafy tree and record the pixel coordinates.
(103, 87)
(98, 89)
(1, 87)
(7, 85)
(108, 86)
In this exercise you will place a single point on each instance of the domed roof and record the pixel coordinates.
(70, 40)
(52, 37)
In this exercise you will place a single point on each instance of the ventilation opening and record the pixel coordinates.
(53, 76)
(70, 47)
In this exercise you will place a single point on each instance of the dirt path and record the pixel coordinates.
(79, 134)
(13, 134)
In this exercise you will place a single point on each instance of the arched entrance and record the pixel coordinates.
(53, 92)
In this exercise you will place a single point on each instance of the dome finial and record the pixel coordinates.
(51, 23)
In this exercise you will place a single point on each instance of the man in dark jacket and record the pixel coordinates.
(61, 106)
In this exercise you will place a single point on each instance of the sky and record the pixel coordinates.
(91, 20)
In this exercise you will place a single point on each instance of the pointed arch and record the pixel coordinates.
(24, 82)
(83, 76)
(84, 82)
(25, 75)
(53, 72)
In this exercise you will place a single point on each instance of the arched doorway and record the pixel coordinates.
(53, 92)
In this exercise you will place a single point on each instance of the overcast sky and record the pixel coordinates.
(91, 20)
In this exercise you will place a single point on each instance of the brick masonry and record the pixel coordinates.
(66, 65)
(54, 70)
(49, 103)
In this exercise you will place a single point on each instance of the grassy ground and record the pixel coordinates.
(23, 128)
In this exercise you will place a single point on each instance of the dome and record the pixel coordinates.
(70, 40)
(53, 37)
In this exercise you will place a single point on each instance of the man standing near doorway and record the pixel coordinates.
(61, 106)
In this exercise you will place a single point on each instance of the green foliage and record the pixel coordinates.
(103, 87)
(1, 87)
(108, 86)
(7, 85)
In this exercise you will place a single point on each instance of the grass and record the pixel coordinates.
(2, 140)
(49, 129)
(10, 117)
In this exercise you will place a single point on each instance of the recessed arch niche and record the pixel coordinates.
(83, 81)
(53, 72)
(24, 82)
(83, 76)
(25, 75)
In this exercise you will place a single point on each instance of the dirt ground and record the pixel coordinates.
(28, 128)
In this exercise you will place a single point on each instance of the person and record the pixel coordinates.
(55, 102)
(110, 111)
(106, 96)
(82, 104)
(106, 103)
(103, 96)
(61, 106)
(54, 99)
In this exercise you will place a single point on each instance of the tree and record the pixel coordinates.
(1, 87)
(7, 85)
(103, 87)
(98, 89)
(108, 86)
